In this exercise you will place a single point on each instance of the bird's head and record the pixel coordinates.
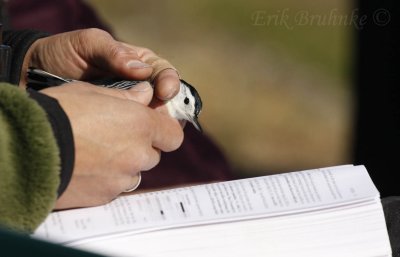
(186, 105)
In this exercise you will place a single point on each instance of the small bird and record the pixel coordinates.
(186, 105)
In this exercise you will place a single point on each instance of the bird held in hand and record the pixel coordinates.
(186, 105)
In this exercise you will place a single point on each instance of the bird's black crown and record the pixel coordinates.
(198, 104)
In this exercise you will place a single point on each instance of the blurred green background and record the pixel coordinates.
(275, 76)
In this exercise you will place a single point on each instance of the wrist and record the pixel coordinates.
(62, 132)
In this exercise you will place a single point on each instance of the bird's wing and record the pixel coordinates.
(39, 79)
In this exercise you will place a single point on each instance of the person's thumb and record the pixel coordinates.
(115, 57)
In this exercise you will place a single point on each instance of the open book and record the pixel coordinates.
(334, 211)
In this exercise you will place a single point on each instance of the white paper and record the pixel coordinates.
(265, 196)
(356, 230)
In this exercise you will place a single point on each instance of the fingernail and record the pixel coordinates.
(142, 87)
(137, 64)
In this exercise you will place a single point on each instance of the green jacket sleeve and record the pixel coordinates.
(29, 161)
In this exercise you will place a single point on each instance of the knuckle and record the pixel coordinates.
(147, 128)
(125, 165)
(111, 190)
(133, 161)
(181, 135)
(116, 51)
(138, 163)
(129, 163)
(86, 35)
(145, 160)
(96, 32)
(147, 51)
(177, 137)
(156, 157)
(148, 55)
(114, 186)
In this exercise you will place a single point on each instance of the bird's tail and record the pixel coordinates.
(39, 79)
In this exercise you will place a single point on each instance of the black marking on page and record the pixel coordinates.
(181, 204)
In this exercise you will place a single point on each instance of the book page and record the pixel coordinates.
(356, 230)
(217, 202)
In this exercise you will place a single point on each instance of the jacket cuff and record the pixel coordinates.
(19, 41)
(62, 132)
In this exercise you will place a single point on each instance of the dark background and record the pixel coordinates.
(377, 132)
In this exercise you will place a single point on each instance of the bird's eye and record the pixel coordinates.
(186, 101)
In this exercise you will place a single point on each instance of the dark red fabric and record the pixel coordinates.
(198, 160)
(53, 16)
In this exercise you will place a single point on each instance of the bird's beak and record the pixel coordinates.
(196, 124)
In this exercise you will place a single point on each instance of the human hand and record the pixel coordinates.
(116, 136)
(93, 53)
